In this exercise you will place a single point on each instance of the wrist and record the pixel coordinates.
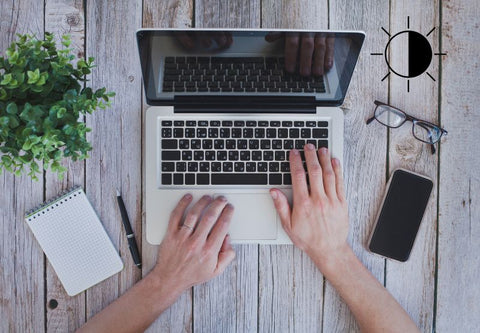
(332, 262)
(163, 290)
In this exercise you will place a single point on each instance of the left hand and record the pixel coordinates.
(196, 249)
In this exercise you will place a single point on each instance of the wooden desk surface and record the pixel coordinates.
(267, 288)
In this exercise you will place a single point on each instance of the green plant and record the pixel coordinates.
(41, 99)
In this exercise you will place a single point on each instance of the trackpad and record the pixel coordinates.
(254, 216)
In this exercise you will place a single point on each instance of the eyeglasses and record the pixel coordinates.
(422, 130)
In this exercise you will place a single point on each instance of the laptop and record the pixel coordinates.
(226, 107)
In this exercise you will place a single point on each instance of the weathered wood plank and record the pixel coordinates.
(365, 146)
(115, 161)
(229, 302)
(21, 272)
(458, 290)
(68, 313)
(290, 286)
(412, 283)
(156, 14)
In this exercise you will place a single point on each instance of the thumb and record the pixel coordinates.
(283, 207)
(225, 256)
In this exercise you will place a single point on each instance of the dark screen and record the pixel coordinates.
(401, 214)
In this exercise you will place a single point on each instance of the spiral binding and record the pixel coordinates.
(51, 204)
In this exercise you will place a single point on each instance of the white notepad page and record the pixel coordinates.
(75, 242)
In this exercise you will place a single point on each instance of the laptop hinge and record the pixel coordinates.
(241, 104)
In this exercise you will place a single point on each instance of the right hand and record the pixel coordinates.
(317, 222)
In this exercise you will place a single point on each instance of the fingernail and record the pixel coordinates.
(207, 197)
(230, 206)
(309, 146)
(295, 152)
(187, 196)
(222, 198)
(274, 195)
(323, 151)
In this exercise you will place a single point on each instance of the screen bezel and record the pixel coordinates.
(250, 100)
(377, 221)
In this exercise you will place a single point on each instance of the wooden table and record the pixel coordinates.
(267, 288)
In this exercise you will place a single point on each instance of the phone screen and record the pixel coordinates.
(401, 214)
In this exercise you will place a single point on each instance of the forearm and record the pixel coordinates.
(135, 310)
(373, 306)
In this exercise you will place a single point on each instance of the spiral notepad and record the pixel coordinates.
(74, 241)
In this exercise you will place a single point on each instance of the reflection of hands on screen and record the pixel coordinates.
(219, 40)
(316, 51)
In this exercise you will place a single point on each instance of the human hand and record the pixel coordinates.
(197, 248)
(318, 221)
(316, 52)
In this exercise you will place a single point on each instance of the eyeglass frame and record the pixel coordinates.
(414, 121)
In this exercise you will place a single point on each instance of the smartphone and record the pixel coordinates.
(399, 218)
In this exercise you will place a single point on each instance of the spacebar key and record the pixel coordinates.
(239, 179)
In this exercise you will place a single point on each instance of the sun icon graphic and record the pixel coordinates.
(417, 49)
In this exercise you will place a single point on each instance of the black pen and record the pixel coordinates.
(132, 244)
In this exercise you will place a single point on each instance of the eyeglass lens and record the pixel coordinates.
(389, 116)
(426, 132)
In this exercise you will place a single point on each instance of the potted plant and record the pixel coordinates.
(42, 96)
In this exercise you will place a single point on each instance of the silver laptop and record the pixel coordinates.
(226, 107)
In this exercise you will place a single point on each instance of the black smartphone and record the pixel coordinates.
(399, 218)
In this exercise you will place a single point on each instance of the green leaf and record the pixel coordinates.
(61, 112)
(7, 78)
(12, 108)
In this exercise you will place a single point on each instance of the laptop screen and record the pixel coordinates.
(244, 65)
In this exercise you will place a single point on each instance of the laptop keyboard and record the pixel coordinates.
(235, 74)
(234, 152)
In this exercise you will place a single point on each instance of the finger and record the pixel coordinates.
(273, 36)
(291, 50)
(319, 56)
(177, 213)
(306, 52)
(329, 53)
(314, 171)
(194, 214)
(339, 184)
(220, 229)
(229, 37)
(210, 217)
(283, 208)
(221, 39)
(299, 181)
(205, 39)
(328, 175)
(225, 257)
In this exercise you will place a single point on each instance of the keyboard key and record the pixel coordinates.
(299, 144)
(287, 124)
(230, 144)
(245, 155)
(216, 166)
(276, 144)
(263, 123)
(273, 167)
(279, 156)
(285, 167)
(233, 155)
(166, 132)
(262, 166)
(210, 155)
(213, 132)
(271, 133)
(178, 132)
(239, 179)
(239, 123)
(256, 155)
(251, 123)
(206, 144)
(183, 144)
(179, 123)
(190, 179)
(191, 123)
(178, 179)
(253, 144)
(259, 132)
(227, 123)
(298, 123)
(274, 123)
(320, 133)
(169, 144)
(170, 155)
(275, 179)
(322, 124)
(166, 123)
(305, 133)
(215, 123)
(227, 167)
(282, 133)
(197, 144)
(311, 123)
(201, 132)
(268, 155)
(181, 166)
(168, 166)
(219, 144)
(239, 166)
(322, 143)
(287, 179)
(189, 132)
(288, 144)
(313, 142)
(192, 166)
(294, 133)
(198, 155)
(221, 155)
(236, 132)
(166, 179)
(186, 155)
(251, 167)
(204, 166)
(241, 144)
(203, 179)
(202, 123)
(224, 132)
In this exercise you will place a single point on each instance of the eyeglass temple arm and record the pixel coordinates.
(370, 120)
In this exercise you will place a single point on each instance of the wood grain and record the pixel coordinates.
(365, 146)
(68, 313)
(171, 14)
(458, 289)
(290, 286)
(229, 303)
(412, 283)
(22, 305)
(115, 161)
